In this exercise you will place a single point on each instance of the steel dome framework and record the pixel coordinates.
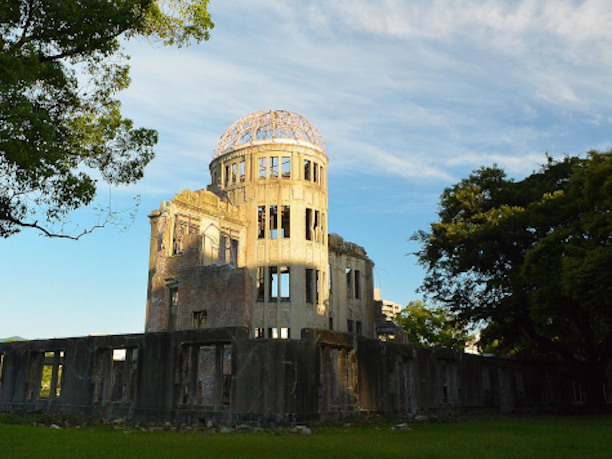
(273, 125)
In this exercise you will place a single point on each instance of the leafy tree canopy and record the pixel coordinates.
(433, 326)
(61, 128)
(531, 259)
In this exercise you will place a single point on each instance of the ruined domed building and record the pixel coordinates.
(255, 314)
(252, 250)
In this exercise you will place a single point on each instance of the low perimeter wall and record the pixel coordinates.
(222, 376)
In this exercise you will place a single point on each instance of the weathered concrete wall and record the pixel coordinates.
(223, 376)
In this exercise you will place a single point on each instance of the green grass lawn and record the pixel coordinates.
(553, 437)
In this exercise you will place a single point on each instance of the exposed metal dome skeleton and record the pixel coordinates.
(266, 127)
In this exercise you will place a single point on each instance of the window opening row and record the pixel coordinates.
(313, 285)
(274, 167)
(277, 225)
(315, 225)
(313, 172)
(228, 249)
(184, 225)
(115, 374)
(353, 283)
(278, 283)
(234, 173)
(206, 374)
(45, 375)
(273, 332)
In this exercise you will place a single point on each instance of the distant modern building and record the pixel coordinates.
(252, 250)
(388, 308)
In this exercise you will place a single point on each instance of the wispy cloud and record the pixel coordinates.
(415, 89)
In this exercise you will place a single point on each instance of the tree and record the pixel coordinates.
(61, 128)
(532, 260)
(433, 326)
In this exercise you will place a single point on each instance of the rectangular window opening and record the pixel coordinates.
(227, 175)
(285, 283)
(318, 287)
(261, 222)
(200, 318)
(233, 252)
(315, 173)
(183, 226)
(51, 375)
(273, 283)
(45, 382)
(307, 169)
(286, 167)
(349, 283)
(316, 226)
(357, 284)
(273, 167)
(122, 381)
(285, 333)
(234, 174)
(349, 325)
(331, 323)
(261, 283)
(223, 246)
(273, 333)
(309, 285)
(263, 167)
(173, 298)
(259, 333)
(309, 224)
(241, 170)
(285, 222)
(205, 375)
(227, 373)
(273, 230)
(358, 328)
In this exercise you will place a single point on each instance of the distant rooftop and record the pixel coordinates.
(269, 127)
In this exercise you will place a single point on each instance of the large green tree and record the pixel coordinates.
(532, 260)
(61, 127)
(433, 326)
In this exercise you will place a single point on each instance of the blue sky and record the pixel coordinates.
(410, 97)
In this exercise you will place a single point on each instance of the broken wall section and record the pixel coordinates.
(198, 246)
(351, 301)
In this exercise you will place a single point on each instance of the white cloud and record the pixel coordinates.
(417, 89)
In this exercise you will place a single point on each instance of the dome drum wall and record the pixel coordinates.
(283, 188)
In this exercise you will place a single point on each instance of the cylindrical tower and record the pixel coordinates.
(274, 164)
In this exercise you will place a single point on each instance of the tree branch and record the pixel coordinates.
(52, 234)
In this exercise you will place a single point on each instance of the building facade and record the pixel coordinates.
(252, 250)
(389, 309)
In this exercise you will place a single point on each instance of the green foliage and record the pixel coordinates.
(61, 128)
(532, 259)
(45, 381)
(433, 326)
